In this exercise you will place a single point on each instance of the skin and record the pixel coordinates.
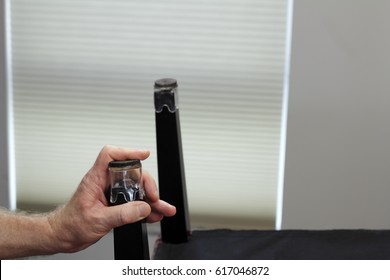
(85, 218)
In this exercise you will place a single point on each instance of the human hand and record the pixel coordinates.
(87, 216)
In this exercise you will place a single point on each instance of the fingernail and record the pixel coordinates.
(144, 210)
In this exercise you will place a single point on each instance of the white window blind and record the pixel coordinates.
(83, 74)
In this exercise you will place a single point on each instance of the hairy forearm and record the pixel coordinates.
(23, 235)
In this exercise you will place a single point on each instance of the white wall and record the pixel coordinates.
(337, 172)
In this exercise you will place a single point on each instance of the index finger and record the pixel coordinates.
(98, 174)
(110, 153)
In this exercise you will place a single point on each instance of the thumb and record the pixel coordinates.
(127, 213)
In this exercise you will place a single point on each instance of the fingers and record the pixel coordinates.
(150, 187)
(110, 153)
(154, 210)
(98, 175)
(135, 211)
(160, 209)
(154, 217)
(126, 213)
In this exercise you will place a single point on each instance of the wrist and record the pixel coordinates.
(58, 233)
(45, 236)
